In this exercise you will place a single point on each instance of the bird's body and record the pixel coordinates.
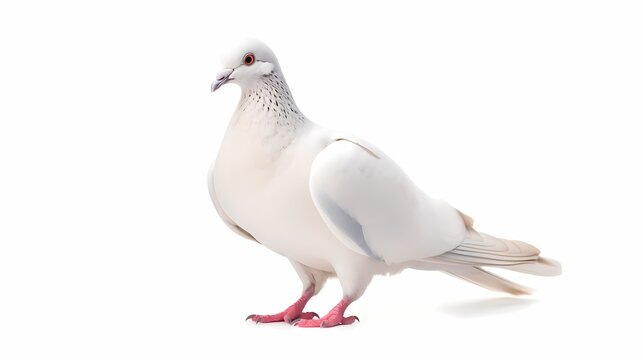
(335, 205)
(265, 189)
(267, 195)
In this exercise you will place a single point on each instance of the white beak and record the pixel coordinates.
(222, 78)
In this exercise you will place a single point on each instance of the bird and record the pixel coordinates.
(335, 205)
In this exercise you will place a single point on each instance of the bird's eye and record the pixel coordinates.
(249, 59)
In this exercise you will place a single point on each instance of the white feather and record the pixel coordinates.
(375, 209)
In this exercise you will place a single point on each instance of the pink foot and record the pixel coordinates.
(334, 317)
(293, 312)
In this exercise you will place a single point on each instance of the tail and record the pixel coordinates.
(488, 280)
(479, 249)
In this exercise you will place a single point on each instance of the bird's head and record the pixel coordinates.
(246, 65)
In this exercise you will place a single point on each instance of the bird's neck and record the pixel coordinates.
(267, 110)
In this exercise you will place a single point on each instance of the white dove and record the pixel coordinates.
(335, 205)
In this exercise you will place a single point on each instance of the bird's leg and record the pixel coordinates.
(334, 317)
(293, 312)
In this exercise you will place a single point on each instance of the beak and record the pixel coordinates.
(222, 78)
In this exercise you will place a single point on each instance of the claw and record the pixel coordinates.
(293, 312)
(290, 320)
(356, 318)
(334, 318)
(294, 323)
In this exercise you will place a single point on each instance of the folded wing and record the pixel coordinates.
(372, 206)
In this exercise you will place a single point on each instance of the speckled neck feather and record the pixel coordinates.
(269, 109)
(272, 97)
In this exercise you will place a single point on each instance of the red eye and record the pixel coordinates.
(249, 59)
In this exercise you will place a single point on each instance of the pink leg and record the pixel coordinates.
(334, 317)
(293, 312)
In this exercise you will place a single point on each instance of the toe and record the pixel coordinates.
(307, 323)
(308, 315)
(349, 320)
(266, 318)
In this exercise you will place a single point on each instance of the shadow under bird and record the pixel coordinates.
(335, 205)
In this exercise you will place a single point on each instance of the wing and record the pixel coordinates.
(226, 219)
(372, 206)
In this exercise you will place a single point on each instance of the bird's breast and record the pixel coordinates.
(270, 198)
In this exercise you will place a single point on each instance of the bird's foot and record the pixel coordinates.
(292, 313)
(334, 317)
(326, 321)
(289, 315)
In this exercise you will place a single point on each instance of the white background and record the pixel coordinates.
(524, 115)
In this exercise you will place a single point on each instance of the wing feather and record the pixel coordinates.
(372, 206)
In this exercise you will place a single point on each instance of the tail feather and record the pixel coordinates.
(479, 249)
(542, 266)
(488, 280)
